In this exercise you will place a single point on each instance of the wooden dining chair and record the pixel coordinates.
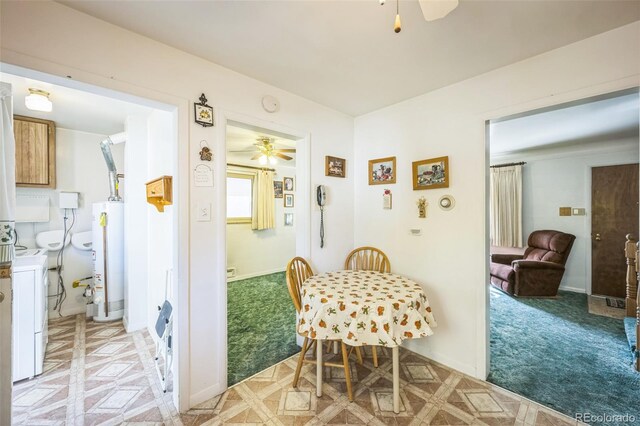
(368, 259)
(297, 272)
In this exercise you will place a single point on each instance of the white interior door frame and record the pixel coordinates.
(93, 83)
(302, 210)
(6, 386)
(482, 297)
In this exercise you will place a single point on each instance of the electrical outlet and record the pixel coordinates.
(204, 212)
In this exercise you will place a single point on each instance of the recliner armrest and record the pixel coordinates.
(505, 259)
(536, 264)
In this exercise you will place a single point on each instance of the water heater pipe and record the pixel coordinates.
(105, 145)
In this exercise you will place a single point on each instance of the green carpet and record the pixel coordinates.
(261, 323)
(554, 352)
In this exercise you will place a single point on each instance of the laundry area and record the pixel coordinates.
(94, 307)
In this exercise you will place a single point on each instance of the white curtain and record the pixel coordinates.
(7, 175)
(263, 216)
(506, 206)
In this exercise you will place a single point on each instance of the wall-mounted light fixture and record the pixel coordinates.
(38, 100)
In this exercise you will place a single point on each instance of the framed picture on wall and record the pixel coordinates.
(431, 173)
(335, 166)
(382, 171)
(203, 113)
(288, 200)
(277, 188)
(288, 183)
(288, 219)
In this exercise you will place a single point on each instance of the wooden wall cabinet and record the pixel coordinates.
(160, 192)
(35, 152)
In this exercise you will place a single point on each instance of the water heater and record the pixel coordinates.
(108, 260)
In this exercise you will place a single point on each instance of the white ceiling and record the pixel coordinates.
(607, 119)
(74, 109)
(344, 54)
(243, 139)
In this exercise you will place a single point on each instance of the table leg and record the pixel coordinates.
(319, 368)
(396, 379)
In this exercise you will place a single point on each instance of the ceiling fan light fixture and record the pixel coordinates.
(38, 100)
(397, 26)
(273, 161)
(263, 159)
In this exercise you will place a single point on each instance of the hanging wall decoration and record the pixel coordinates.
(382, 170)
(205, 152)
(446, 202)
(386, 199)
(422, 207)
(431, 174)
(203, 113)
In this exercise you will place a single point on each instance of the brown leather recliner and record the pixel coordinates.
(539, 271)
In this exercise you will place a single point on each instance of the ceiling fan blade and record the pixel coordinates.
(255, 157)
(284, 157)
(437, 9)
(286, 150)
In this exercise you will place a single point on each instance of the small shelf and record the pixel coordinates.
(160, 192)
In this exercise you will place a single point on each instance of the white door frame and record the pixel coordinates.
(548, 100)
(302, 211)
(179, 107)
(6, 385)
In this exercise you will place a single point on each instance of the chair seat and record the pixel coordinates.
(504, 272)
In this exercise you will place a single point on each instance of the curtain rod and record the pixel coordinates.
(521, 163)
(251, 167)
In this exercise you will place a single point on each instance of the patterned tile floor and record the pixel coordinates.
(431, 394)
(98, 374)
(94, 374)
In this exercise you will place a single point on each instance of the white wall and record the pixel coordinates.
(135, 223)
(92, 51)
(160, 244)
(450, 259)
(561, 177)
(255, 253)
(80, 168)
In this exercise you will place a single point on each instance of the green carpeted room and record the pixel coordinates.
(553, 351)
(261, 325)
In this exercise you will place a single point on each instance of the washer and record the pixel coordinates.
(30, 280)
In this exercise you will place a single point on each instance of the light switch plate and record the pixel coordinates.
(203, 212)
(578, 212)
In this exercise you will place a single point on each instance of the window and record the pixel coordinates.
(239, 198)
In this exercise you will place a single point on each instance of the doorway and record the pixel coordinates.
(85, 117)
(562, 151)
(614, 207)
(263, 188)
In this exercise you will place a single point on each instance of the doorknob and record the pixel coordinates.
(598, 237)
(1, 296)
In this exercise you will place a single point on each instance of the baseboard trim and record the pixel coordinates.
(573, 289)
(416, 347)
(130, 328)
(257, 274)
(206, 394)
(76, 310)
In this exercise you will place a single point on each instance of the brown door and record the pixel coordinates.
(614, 214)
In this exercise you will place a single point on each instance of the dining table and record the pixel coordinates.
(362, 308)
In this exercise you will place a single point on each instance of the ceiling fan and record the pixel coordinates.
(431, 10)
(266, 151)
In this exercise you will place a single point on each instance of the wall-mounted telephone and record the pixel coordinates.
(321, 195)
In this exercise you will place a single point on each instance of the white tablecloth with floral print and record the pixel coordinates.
(364, 308)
